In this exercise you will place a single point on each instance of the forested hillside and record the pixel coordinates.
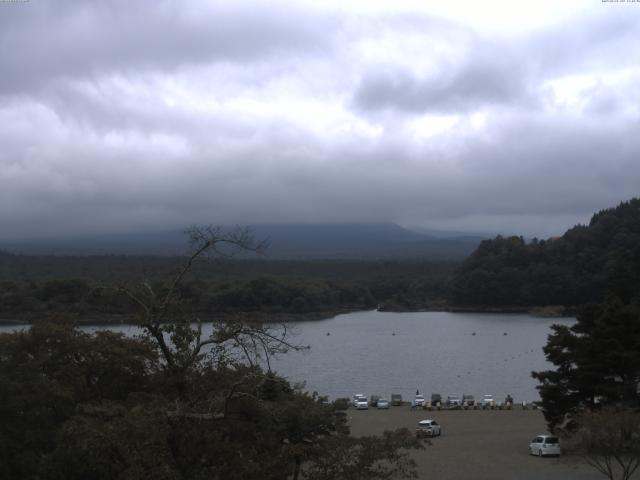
(35, 286)
(582, 266)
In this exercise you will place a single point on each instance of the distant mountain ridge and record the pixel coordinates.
(286, 241)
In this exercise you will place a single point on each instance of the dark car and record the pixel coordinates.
(468, 400)
(453, 401)
(436, 399)
(374, 400)
(396, 399)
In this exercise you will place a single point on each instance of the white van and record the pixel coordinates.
(544, 445)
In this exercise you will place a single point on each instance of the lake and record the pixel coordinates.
(384, 352)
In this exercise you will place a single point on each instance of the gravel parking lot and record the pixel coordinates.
(476, 444)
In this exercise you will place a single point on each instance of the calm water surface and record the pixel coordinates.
(383, 353)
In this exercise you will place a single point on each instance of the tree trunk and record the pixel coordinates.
(296, 468)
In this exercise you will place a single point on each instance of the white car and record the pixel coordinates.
(488, 401)
(419, 400)
(544, 445)
(428, 428)
(360, 402)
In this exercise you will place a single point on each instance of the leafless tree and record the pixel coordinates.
(609, 440)
(178, 333)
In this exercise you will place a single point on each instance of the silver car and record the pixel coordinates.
(544, 445)
(383, 403)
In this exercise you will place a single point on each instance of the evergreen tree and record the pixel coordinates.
(579, 267)
(597, 362)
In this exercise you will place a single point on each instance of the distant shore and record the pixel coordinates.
(548, 311)
(256, 317)
(553, 311)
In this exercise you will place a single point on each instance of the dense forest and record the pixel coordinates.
(33, 286)
(75, 406)
(581, 266)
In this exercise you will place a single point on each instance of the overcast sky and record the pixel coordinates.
(493, 116)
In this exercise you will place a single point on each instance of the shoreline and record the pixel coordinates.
(288, 317)
(253, 317)
(546, 311)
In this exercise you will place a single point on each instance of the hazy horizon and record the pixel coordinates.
(429, 232)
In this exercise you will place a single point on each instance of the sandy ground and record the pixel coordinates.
(476, 444)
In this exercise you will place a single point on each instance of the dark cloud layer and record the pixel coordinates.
(471, 86)
(124, 116)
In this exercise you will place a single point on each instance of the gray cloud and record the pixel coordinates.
(602, 41)
(543, 167)
(503, 71)
(46, 40)
(119, 117)
(470, 86)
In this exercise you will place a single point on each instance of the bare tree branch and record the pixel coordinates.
(181, 344)
(609, 441)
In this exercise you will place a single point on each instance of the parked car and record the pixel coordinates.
(428, 428)
(360, 402)
(544, 445)
(453, 401)
(383, 403)
(373, 401)
(468, 400)
(488, 401)
(435, 399)
(396, 399)
(537, 405)
(419, 400)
